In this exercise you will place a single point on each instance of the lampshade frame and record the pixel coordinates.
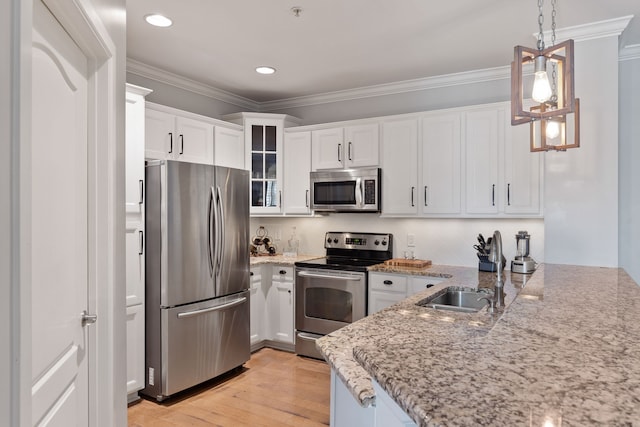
(562, 55)
(541, 127)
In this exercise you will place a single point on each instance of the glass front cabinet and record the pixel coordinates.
(264, 147)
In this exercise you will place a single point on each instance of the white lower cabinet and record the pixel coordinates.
(257, 307)
(345, 410)
(387, 289)
(280, 305)
(272, 314)
(135, 350)
(388, 413)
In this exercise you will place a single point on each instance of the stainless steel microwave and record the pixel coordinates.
(348, 190)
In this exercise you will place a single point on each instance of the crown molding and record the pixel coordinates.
(468, 77)
(590, 31)
(630, 52)
(144, 70)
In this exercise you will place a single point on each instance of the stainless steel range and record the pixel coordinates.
(331, 292)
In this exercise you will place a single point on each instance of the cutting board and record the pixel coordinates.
(415, 263)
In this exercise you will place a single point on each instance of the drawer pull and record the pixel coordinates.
(429, 285)
(283, 271)
(388, 282)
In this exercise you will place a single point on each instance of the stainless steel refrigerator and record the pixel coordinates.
(197, 274)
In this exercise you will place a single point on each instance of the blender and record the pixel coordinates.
(523, 263)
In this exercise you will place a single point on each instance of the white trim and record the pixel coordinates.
(593, 30)
(629, 53)
(467, 77)
(138, 90)
(144, 70)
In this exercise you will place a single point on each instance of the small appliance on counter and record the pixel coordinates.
(523, 263)
(483, 247)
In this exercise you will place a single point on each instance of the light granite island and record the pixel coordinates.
(565, 351)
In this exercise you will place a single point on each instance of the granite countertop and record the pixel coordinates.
(566, 346)
(279, 259)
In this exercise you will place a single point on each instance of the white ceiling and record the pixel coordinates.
(344, 44)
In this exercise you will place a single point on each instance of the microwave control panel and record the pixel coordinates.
(370, 192)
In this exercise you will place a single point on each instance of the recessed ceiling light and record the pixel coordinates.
(158, 20)
(265, 70)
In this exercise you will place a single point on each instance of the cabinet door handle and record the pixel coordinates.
(413, 190)
(181, 144)
(251, 273)
(339, 150)
(170, 142)
(388, 282)
(350, 151)
(283, 272)
(280, 198)
(141, 184)
(426, 187)
(509, 194)
(493, 195)
(306, 198)
(140, 242)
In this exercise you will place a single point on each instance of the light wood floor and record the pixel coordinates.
(274, 388)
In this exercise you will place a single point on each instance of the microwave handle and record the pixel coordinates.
(359, 193)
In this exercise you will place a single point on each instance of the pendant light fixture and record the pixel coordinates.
(554, 117)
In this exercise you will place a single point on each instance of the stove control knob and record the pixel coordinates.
(377, 242)
(335, 241)
(329, 240)
(384, 243)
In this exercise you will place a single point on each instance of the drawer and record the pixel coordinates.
(420, 283)
(388, 282)
(282, 273)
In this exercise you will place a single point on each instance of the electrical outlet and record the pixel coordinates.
(411, 240)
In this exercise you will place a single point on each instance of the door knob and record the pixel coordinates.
(88, 319)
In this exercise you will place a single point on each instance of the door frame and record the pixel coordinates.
(106, 290)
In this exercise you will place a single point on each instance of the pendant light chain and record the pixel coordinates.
(540, 22)
(554, 96)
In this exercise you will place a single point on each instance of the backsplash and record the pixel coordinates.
(443, 241)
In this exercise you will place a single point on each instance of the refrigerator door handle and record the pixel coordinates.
(210, 309)
(211, 230)
(220, 232)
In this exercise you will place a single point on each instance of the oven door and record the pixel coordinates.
(327, 300)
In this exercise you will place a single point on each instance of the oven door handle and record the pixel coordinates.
(329, 276)
(309, 337)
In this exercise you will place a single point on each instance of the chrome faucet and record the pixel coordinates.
(495, 256)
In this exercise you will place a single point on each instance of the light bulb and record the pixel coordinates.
(553, 129)
(541, 87)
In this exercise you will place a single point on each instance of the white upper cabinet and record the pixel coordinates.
(171, 137)
(441, 173)
(229, 147)
(483, 134)
(522, 173)
(345, 147)
(297, 165)
(361, 145)
(400, 167)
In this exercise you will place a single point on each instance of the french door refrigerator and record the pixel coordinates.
(197, 274)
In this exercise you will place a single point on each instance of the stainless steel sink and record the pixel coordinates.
(457, 299)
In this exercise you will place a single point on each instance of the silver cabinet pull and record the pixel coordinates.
(413, 190)
(425, 195)
(306, 197)
(141, 185)
(170, 142)
(88, 319)
(339, 150)
(350, 151)
(181, 144)
(509, 194)
(210, 309)
(493, 195)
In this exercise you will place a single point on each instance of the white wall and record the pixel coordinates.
(581, 185)
(629, 159)
(443, 241)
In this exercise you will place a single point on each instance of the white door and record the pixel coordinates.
(400, 167)
(297, 165)
(59, 225)
(361, 145)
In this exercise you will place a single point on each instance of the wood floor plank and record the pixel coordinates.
(274, 388)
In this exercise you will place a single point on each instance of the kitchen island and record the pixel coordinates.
(566, 349)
